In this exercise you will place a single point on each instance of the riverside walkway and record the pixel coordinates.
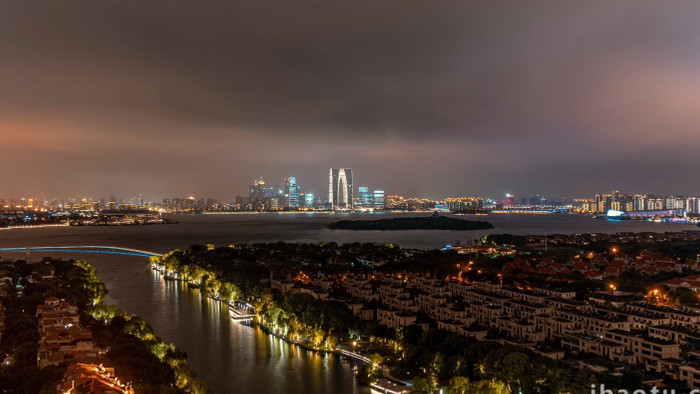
(242, 313)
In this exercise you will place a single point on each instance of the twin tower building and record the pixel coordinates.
(340, 192)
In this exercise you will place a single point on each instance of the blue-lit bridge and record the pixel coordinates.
(82, 249)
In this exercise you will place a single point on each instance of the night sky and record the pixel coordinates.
(425, 98)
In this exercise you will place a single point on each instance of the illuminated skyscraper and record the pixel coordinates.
(364, 197)
(340, 194)
(378, 199)
(291, 192)
(257, 190)
(309, 200)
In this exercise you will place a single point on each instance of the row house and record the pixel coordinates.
(645, 350)
(519, 309)
(352, 280)
(556, 293)
(394, 319)
(562, 303)
(393, 279)
(639, 319)
(365, 293)
(643, 321)
(357, 308)
(315, 292)
(458, 289)
(554, 328)
(617, 299)
(516, 328)
(353, 305)
(593, 324)
(485, 313)
(325, 284)
(484, 297)
(418, 281)
(365, 313)
(385, 290)
(452, 313)
(401, 302)
(491, 287)
(463, 329)
(438, 289)
(687, 336)
(524, 295)
(428, 302)
(583, 343)
(285, 286)
(452, 326)
(687, 372)
(676, 316)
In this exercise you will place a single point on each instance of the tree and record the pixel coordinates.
(376, 360)
(332, 341)
(458, 385)
(25, 354)
(319, 335)
(513, 368)
(434, 371)
(420, 385)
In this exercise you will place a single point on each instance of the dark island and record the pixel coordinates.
(434, 222)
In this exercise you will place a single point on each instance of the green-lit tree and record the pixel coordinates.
(459, 385)
(420, 385)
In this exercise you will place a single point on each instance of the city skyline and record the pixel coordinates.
(106, 97)
(317, 197)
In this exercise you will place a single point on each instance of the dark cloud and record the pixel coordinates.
(440, 98)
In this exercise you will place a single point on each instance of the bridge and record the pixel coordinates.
(82, 249)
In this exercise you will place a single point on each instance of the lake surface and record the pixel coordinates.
(234, 358)
(301, 227)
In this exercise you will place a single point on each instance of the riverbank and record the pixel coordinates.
(34, 226)
(306, 339)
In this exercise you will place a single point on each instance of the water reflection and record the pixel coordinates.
(233, 357)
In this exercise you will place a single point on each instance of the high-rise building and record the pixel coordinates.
(364, 197)
(340, 194)
(258, 194)
(309, 200)
(509, 201)
(378, 199)
(291, 192)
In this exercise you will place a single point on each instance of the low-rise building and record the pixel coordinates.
(395, 318)
(62, 336)
(91, 378)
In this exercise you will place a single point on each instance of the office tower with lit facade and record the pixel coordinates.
(364, 197)
(291, 192)
(378, 199)
(340, 194)
(257, 193)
